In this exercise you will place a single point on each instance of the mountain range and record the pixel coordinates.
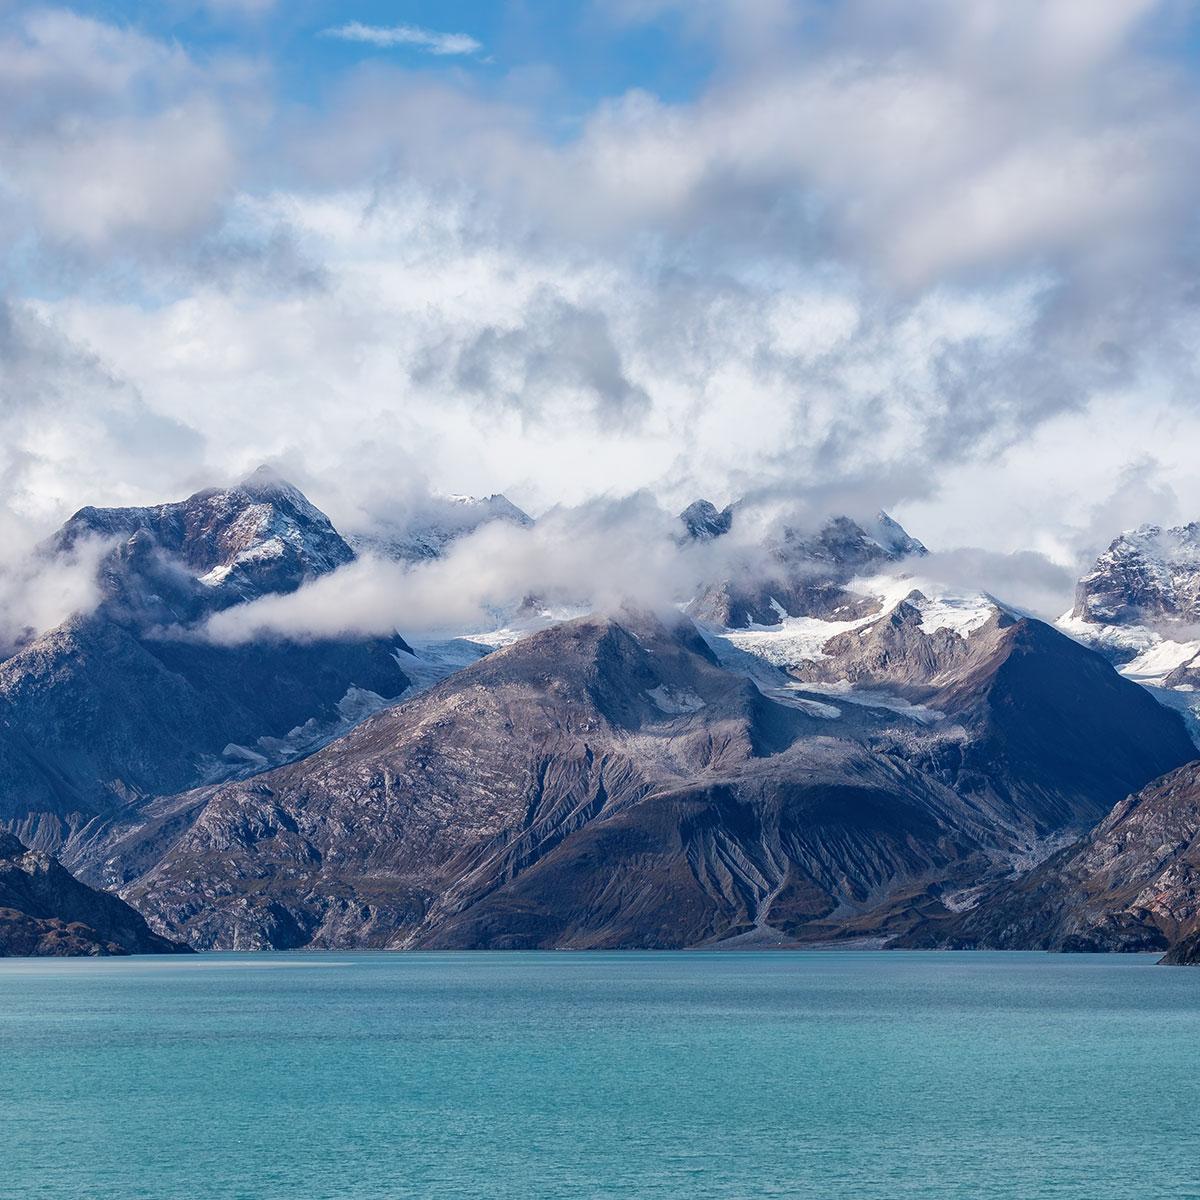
(830, 748)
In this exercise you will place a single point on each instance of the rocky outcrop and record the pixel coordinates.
(702, 521)
(172, 563)
(45, 911)
(1131, 884)
(805, 574)
(845, 546)
(1148, 576)
(1185, 953)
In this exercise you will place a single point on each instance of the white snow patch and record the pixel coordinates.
(216, 576)
(792, 641)
(798, 640)
(1158, 661)
(961, 614)
(522, 627)
(870, 698)
(1127, 639)
(1153, 656)
(675, 700)
(940, 607)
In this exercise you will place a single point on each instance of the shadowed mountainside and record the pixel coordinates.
(45, 911)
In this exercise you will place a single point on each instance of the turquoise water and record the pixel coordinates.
(824, 1075)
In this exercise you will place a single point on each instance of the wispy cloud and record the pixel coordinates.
(387, 36)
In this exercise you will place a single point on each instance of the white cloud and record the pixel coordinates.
(165, 175)
(913, 253)
(38, 593)
(385, 37)
(602, 555)
(111, 140)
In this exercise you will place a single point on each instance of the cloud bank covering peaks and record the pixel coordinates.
(936, 257)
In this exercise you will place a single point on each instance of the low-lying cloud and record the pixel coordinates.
(38, 591)
(602, 556)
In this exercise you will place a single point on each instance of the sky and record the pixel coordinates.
(936, 256)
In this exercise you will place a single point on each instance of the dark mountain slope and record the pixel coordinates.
(93, 716)
(46, 911)
(1132, 884)
(1045, 726)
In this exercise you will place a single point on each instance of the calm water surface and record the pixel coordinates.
(823, 1075)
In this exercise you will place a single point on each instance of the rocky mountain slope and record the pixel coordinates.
(828, 748)
(609, 783)
(1132, 884)
(46, 911)
(127, 702)
(703, 521)
(1147, 575)
(1139, 605)
(172, 563)
(1015, 709)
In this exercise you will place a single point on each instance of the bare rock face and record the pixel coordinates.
(608, 783)
(130, 701)
(1185, 953)
(702, 521)
(845, 546)
(46, 911)
(172, 563)
(1148, 576)
(1131, 884)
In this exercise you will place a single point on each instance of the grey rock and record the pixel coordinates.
(1148, 576)
(1133, 883)
(702, 521)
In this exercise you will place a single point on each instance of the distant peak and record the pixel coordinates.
(893, 537)
(497, 506)
(704, 522)
(266, 486)
(266, 480)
